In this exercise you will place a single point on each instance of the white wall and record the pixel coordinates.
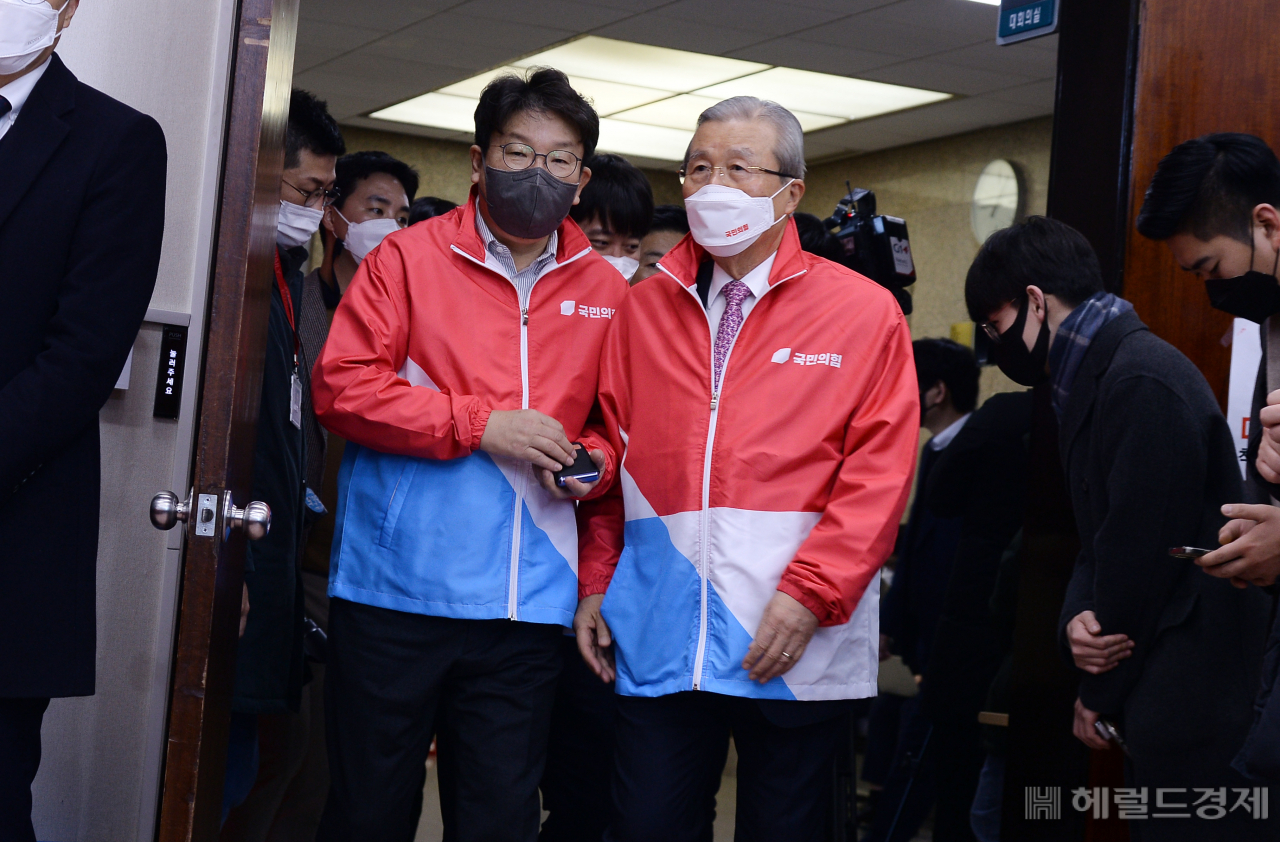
(99, 780)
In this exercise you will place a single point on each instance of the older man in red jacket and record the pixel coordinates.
(764, 405)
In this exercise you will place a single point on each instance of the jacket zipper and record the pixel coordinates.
(704, 530)
(513, 579)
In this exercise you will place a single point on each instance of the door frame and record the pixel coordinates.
(230, 390)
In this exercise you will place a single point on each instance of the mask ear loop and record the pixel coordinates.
(786, 215)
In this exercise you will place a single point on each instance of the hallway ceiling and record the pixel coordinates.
(363, 57)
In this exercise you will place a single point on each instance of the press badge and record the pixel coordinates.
(295, 401)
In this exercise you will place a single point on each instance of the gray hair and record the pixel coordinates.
(790, 148)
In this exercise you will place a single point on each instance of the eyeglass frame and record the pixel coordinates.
(329, 195)
(683, 172)
(990, 329)
(577, 167)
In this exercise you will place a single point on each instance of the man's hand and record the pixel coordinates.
(529, 436)
(1269, 450)
(572, 487)
(784, 632)
(1083, 728)
(1250, 552)
(1094, 652)
(594, 640)
(244, 608)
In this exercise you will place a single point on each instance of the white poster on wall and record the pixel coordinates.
(1246, 356)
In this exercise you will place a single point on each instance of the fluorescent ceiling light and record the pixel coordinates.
(988, 2)
(655, 67)
(822, 93)
(649, 98)
(645, 141)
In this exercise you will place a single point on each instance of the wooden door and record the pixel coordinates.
(235, 346)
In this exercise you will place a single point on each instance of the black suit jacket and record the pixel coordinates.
(82, 190)
(981, 478)
(1149, 462)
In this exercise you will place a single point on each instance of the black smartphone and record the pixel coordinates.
(582, 469)
(1188, 552)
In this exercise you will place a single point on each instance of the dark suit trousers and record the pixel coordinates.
(19, 759)
(388, 674)
(575, 785)
(670, 756)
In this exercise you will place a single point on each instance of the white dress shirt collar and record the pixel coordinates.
(17, 92)
(944, 438)
(757, 280)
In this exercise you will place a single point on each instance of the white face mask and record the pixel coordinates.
(25, 30)
(364, 237)
(725, 220)
(295, 223)
(626, 265)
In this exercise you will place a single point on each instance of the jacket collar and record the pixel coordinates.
(1095, 363)
(37, 134)
(683, 260)
(572, 242)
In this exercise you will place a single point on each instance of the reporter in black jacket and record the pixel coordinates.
(1169, 654)
(82, 193)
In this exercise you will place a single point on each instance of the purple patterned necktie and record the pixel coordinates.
(734, 292)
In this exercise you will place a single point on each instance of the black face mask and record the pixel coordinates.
(529, 203)
(1254, 295)
(1023, 367)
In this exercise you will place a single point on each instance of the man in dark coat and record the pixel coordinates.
(82, 192)
(1215, 201)
(270, 660)
(1171, 657)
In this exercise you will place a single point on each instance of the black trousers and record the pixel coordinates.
(576, 783)
(387, 675)
(670, 756)
(19, 760)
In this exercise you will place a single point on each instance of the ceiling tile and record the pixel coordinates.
(765, 18)
(465, 42)
(1014, 58)
(319, 41)
(662, 30)
(889, 37)
(386, 15)
(963, 19)
(810, 55)
(552, 13)
(1040, 94)
(936, 76)
(378, 81)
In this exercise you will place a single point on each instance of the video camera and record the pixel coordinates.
(875, 246)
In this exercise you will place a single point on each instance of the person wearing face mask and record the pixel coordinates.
(1214, 201)
(670, 224)
(269, 658)
(82, 207)
(1169, 656)
(461, 370)
(760, 498)
(615, 211)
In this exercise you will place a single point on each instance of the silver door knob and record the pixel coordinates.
(254, 519)
(167, 511)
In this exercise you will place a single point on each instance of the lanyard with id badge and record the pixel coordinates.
(295, 382)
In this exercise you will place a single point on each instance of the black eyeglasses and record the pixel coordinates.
(311, 198)
(521, 156)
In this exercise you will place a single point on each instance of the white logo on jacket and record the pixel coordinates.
(568, 308)
(782, 355)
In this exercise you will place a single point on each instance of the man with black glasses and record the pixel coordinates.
(461, 369)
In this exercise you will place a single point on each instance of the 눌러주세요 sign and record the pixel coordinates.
(1023, 19)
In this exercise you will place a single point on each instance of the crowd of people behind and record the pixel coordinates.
(579, 492)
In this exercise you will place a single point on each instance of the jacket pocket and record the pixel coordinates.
(399, 492)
